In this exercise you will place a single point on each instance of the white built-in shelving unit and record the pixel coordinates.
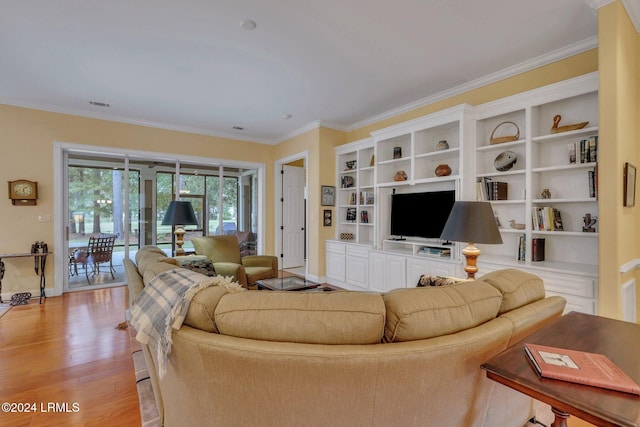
(372, 260)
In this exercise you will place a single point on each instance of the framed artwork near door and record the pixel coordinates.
(328, 194)
(327, 218)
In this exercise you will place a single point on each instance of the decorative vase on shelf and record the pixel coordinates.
(546, 194)
(442, 145)
(443, 170)
(400, 176)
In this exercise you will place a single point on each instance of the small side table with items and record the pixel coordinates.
(39, 253)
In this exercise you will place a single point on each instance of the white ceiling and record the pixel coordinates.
(189, 65)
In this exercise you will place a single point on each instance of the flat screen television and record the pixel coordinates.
(420, 214)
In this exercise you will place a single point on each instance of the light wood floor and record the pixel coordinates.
(68, 351)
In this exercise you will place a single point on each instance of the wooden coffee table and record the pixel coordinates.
(618, 340)
(291, 283)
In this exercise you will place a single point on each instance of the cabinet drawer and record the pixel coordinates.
(357, 251)
(578, 286)
(579, 304)
(335, 248)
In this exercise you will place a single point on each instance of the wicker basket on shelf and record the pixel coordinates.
(500, 139)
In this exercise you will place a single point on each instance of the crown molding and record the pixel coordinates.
(597, 4)
(306, 128)
(631, 6)
(633, 10)
(130, 121)
(311, 126)
(529, 65)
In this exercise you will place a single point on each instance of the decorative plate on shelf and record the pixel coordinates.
(505, 161)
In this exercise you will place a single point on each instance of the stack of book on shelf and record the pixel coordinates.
(579, 367)
(488, 189)
(435, 251)
(537, 249)
(364, 217)
(546, 218)
(585, 152)
(593, 182)
(366, 197)
(522, 248)
(352, 199)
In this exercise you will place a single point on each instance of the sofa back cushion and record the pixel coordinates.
(340, 317)
(426, 312)
(148, 255)
(517, 287)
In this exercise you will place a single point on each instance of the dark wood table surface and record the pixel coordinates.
(618, 340)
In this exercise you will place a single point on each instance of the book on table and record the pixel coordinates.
(579, 367)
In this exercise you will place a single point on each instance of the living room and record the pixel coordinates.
(615, 55)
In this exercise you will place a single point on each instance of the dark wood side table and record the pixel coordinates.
(39, 258)
(618, 340)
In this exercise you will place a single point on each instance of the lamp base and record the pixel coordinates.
(471, 253)
(179, 240)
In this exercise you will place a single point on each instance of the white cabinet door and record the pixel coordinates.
(357, 266)
(357, 271)
(335, 262)
(416, 267)
(437, 268)
(377, 275)
(395, 272)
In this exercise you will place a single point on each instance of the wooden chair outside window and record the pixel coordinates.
(98, 251)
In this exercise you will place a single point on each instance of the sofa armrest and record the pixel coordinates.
(262, 261)
(231, 269)
(134, 280)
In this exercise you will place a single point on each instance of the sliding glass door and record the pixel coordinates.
(126, 194)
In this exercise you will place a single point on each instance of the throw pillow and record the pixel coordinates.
(198, 263)
(428, 280)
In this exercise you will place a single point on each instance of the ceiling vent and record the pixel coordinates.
(99, 104)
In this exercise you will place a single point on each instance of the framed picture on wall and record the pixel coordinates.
(328, 195)
(629, 185)
(327, 218)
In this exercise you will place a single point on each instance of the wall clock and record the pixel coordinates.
(23, 192)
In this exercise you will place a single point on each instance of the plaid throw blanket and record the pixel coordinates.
(163, 304)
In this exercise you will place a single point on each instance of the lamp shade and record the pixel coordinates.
(179, 213)
(471, 222)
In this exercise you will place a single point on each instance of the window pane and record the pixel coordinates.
(230, 205)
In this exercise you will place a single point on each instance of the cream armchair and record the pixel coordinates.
(224, 252)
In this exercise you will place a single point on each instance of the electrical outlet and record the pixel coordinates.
(44, 218)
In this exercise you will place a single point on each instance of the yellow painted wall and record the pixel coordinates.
(320, 144)
(27, 138)
(619, 66)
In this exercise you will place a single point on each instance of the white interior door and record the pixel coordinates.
(293, 217)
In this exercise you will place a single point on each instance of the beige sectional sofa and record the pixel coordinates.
(410, 357)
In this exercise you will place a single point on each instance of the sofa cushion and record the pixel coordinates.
(518, 287)
(201, 314)
(426, 312)
(340, 317)
(148, 255)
